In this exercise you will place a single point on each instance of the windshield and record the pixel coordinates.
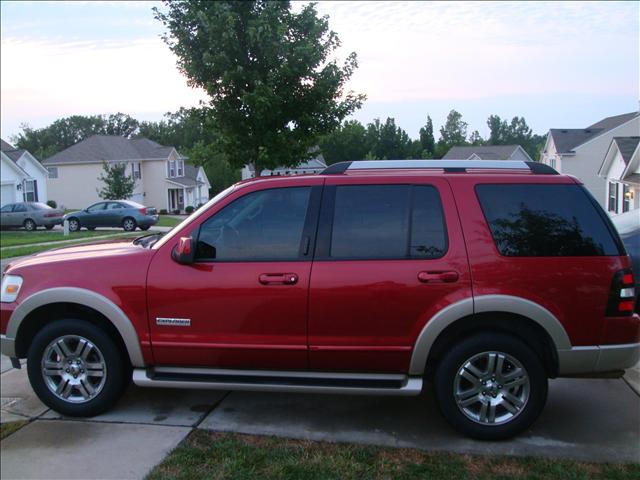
(195, 215)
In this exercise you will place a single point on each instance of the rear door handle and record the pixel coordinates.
(437, 277)
(278, 278)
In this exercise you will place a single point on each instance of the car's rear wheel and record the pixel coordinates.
(75, 368)
(74, 225)
(129, 224)
(491, 386)
(49, 227)
(29, 225)
(144, 228)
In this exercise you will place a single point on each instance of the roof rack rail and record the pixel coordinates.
(448, 166)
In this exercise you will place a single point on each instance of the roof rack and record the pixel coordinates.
(446, 165)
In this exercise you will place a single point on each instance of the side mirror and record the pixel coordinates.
(184, 253)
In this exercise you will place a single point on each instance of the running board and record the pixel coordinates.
(278, 381)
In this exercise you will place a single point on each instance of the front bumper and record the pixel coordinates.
(597, 359)
(50, 222)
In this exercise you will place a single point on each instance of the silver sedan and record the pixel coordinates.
(30, 215)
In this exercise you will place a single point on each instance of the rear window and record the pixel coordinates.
(40, 206)
(545, 221)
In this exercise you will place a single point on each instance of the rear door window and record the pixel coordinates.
(534, 220)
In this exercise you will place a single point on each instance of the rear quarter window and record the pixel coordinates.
(536, 220)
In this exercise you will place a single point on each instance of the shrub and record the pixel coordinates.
(163, 211)
(176, 211)
(52, 203)
(189, 210)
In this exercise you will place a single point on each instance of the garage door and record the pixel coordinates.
(6, 194)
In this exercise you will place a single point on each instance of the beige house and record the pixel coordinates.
(579, 151)
(621, 169)
(164, 179)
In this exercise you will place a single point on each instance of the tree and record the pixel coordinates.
(120, 124)
(427, 141)
(347, 142)
(218, 169)
(515, 133)
(452, 133)
(388, 141)
(118, 185)
(273, 90)
(475, 138)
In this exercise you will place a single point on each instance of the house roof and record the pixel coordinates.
(5, 146)
(190, 177)
(484, 152)
(566, 139)
(626, 146)
(105, 148)
(10, 151)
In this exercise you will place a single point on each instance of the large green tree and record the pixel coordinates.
(274, 91)
(452, 133)
(117, 184)
(516, 132)
(427, 141)
(388, 141)
(347, 142)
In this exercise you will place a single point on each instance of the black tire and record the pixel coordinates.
(30, 225)
(91, 229)
(144, 229)
(49, 227)
(129, 224)
(452, 363)
(115, 371)
(74, 224)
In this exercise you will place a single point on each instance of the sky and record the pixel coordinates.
(557, 64)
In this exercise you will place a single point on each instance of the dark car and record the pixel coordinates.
(30, 215)
(113, 213)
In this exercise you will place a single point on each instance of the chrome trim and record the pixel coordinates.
(87, 298)
(7, 346)
(439, 164)
(173, 322)
(411, 385)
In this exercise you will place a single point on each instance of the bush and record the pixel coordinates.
(52, 203)
(176, 211)
(163, 211)
(189, 210)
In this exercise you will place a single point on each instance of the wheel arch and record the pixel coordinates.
(35, 310)
(523, 318)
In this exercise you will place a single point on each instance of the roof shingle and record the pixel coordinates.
(485, 152)
(626, 145)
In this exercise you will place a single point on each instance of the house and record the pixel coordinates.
(488, 152)
(164, 179)
(315, 165)
(580, 151)
(621, 170)
(22, 177)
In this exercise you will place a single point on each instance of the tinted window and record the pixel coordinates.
(544, 221)
(265, 225)
(96, 207)
(7, 208)
(114, 206)
(377, 221)
(20, 207)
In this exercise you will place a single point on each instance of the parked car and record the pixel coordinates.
(479, 279)
(113, 213)
(30, 215)
(628, 226)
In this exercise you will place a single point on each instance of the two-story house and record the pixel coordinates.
(580, 151)
(621, 170)
(22, 177)
(164, 179)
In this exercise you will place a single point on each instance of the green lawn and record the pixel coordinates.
(165, 221)
(215, 455)
(13, 238)
(21, 251)
(8, 428)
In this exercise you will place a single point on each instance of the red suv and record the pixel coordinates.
(483, 278)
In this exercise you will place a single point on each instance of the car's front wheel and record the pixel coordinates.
(74, 225)
(491, 386)
(129, 224)
(29, 225)
(75, 368)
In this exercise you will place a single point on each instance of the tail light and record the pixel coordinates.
(622, 296)
(54, 214)
(143, 211)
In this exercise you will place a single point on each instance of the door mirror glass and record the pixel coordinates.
(184, 252)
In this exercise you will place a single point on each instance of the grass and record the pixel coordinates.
(165, 221)
(28, 250)
(11, 239)
(8, 428)
(220, 455)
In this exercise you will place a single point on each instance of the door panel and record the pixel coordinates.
(249, 313)
(365, 314)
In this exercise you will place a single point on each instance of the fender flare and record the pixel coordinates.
(486, 303)
(87, 298)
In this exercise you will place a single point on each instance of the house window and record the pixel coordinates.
(627, 196)
(53, 172)
(30, 194)
(172, 168)
(613, 197)
(136, 170)
(552, 161)
(180, 168)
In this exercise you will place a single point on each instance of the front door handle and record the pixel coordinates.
(436, 277)
(278, 278)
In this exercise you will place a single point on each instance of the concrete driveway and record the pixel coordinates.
(590, 420)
